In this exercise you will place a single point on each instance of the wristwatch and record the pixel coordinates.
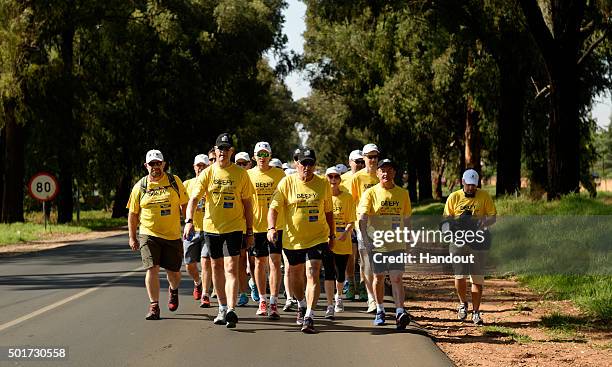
(190, 220)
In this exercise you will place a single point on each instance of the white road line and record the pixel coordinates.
(64, 301)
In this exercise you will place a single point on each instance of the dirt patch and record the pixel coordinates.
(54, 240)
(515, 334)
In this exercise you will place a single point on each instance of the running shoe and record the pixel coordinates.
(371, 306)
(308, 326)
(300, 315)
(254, 291)
(462, 311)
(274, 312)
(205, 302)
(477, 318)
(220, 319)
(214, 293)
(329, 314)
(379, 320)
(363, 292)
(350, 291)
(153, 313)
(345, 286)
(339, 305)
(197, 292)
(231, 319)
(173, 299)
(402, 320)
(243, 299)
(263, 309)
(289, 305)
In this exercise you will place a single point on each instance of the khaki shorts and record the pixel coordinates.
(158, 251)
(475, 271)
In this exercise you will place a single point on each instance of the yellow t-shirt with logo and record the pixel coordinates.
(360, 182)
(198, 215)
(344, 214)
(225, 188)
(480, 205)
(386, 209)
(304, 205)
(264, 185)
(159, 207)
(345, 183)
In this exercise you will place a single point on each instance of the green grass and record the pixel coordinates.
(500, 331)
(33, 229)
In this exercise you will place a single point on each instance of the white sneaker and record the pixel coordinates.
(476, 318)
(220, 319)
(329, 314)
(371, 306)
(462, 311)
(339, 305)
(288, 305)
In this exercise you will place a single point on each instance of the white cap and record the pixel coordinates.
(201, 158)
(263, 145)
(242, 156)
(355, 155)
(275, 162)
(154, 155)
(290, 171)
(341, 168)
(285, 166)
(370, 148)
(470, 177)
(331, 170)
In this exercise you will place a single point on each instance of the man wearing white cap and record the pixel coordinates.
(360, 182)
(156, 203)
(195, 249)
(243, 160)
(356, 163)
(469, 200)
(264, 253)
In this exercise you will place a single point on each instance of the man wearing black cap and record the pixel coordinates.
(228, 214)
(386, 207)
(305, 201)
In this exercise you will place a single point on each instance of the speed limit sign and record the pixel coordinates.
(43, 186)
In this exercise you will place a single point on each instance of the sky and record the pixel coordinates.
(294, 27)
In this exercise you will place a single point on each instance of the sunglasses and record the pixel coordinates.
(224, 148)
(154, 164)
(375, 156)
(212, 159)
(360, 161)
(307, 163)
(337, 177)
(263, 154)
(242, 164)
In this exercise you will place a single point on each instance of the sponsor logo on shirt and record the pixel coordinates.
(165, 212)
(227, 205)
(339, 229)
(221, 182)
(263, 185)
(228, 198)
(313, 218)
(367, 186)
(306, 196)
(389, 203)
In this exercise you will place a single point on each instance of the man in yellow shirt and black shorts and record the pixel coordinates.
(305, 201)
(228, 213)
(156, 203)
(386, 207)
(480, 205)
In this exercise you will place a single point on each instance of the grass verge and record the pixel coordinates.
(504, 332)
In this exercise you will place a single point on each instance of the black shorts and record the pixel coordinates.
(158, 251)
(335, 266)
(382, 267)
(297, 257)
(224, 244)
(263, 247)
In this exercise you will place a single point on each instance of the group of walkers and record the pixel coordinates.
(241, 219)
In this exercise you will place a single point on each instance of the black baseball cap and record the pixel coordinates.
(224, 140)
(304, 154)
(386, 162)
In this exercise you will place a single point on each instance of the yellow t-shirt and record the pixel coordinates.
(344, 214)
(198, 215)
(264, 185)
(480, 205)
(360, 182)
(304, 205)
(345, 184)
(386, 210)
(159, 208)
(225, 188)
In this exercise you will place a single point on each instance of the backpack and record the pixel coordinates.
(144, 182)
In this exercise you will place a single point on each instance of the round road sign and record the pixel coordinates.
(43, 186)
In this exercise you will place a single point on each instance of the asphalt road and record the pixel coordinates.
(90, 298)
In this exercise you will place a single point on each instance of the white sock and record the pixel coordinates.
(263, 298)
(309, 313)
(339, 296)
(302, 303)
(399, 310)
(222, 307)
(380, 307)
(206, 295)
(273, 300)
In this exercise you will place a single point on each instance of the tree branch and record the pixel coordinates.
(540, 32)
(593, 46)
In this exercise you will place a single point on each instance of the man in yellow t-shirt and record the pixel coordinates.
(360, 182)
(156, 203)
(479, 204)
(385, 207)
(196, 249)
(265, 179)
(228, 212)
(356, 163)
(305, 202)
(335, 259)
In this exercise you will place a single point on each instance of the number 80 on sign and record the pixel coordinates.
(43, 186)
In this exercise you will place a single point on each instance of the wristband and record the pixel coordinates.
(190, 220)
(271, 228)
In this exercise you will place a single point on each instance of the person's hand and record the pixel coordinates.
(134, 244)
(272, 235)
(331, 242)
(342, 237)
(188, 231)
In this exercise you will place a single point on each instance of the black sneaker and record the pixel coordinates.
(300, 316)
(173, 299)
(153, 313)
(402, 320)
(231, 319)
(308, 326)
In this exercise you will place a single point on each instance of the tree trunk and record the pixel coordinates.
(472, 138)
(12, 193)
(2, 163)
(424, 169)
(412, 182)
(122, 194)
